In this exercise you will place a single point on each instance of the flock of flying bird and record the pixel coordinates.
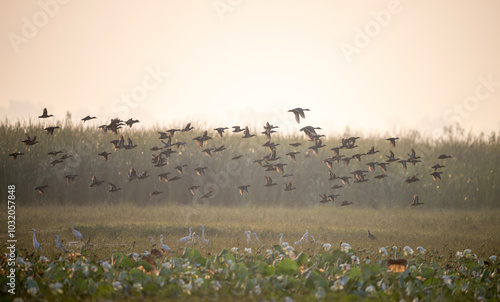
(269, 162)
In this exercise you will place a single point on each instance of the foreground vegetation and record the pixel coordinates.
(274, 273)
(109, 265)
(470, 178)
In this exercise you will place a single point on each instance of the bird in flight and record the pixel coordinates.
(208, 194)
(298, 112)
(45, 115)
(50, 130)
(392, 141)
(244, 189)
(345, 203)
(41, 189)
(88, 118)
(15, 155)
(415, 201)
(113, 188)
(70, 177)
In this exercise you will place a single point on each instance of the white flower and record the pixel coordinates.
(235, 250)
(320, 293)
(355, 260)
(370, 289)
(447, 280)
(394, 248)
(106, 266)
(327, 246)
(137, 286)
(248, 250)
(289, 249)
(460, 254)
(467, 252)
(188, 287)
(493, 258)
(345, 247)
(408, 250)
(44, 259)
(20, 261)
(269, 252)
(216, 285)
(285, 244)
(56, 288)
(117, 285)
(383, 251)
(198, 282)
(85, 269)
(345, 267)
(381, 285)
(337, 285)
(33, 291)
(421, 250)
(33, 288)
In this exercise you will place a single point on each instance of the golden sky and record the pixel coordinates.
(370, 65)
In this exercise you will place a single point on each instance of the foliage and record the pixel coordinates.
(470, 178)
(267, 274)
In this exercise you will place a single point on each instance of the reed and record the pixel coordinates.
(470, 178)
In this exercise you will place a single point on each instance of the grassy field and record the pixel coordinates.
(109, 264)
(127, 228)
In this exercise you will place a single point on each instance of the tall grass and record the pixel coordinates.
(470, 178)
(127, 227)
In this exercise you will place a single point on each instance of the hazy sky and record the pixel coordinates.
(372, 65)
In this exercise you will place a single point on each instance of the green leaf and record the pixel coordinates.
(427, 273)
(104, 291)
(302, 259)
(278, 248)
(241, 271)
(269, 271)
(80, 285)
(137, 275)
(223, 252)
(354, 272)
(122, 261)
(194, 255)
(431, 281)
(33, 288)
(150, 288)
(261, 266)
(287, 266)
(311, 280)
(230, 257)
